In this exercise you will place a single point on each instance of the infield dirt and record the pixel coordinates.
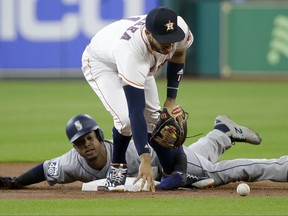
(73, 190)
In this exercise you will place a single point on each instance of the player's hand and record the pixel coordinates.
(170, 102)
(146, 173)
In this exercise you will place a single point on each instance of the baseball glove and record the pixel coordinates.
(9, 183)
(171, 127)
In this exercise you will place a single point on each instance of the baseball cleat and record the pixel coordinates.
(173, 181)
(198, 182)
(237, 133)
(116, 178)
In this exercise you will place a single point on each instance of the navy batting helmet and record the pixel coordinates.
(80, 125)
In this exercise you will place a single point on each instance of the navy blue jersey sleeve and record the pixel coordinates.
(136, 105)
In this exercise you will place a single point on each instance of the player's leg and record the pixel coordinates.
(244, 169)
(225, 132)
(152, 103)
(108, 86)
(211, 146)
(249, 170)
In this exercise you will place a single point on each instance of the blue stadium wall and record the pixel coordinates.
(46, 38)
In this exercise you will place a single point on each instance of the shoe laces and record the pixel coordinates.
(190, 176)
(117, 174)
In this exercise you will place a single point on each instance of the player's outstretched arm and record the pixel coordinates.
(32, 176)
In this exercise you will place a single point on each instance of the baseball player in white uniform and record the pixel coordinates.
(119, 64)
(91, 156)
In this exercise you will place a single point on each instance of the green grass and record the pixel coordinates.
(154, 206)
(34, 114)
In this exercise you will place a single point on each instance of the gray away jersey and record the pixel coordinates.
(71, 166)
(202, 158)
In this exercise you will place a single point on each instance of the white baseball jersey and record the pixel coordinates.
(202, 157)
(124, 47)
(121, 54)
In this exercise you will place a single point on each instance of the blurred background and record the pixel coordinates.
(233, 38)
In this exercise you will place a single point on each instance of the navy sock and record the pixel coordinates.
(120, 145)
(222, 127)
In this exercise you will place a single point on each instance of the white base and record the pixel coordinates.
(98, 185)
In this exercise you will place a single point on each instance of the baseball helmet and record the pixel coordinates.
(80, 125)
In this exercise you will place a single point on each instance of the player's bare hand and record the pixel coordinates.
(169, 102)
(146, 173)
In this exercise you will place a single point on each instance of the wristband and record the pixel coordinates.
(174, 74)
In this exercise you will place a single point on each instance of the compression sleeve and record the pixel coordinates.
(174, 74)
(136, 105)
(32, 176)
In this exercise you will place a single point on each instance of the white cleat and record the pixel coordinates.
(237, 133)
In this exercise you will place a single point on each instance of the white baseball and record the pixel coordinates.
(243, 189)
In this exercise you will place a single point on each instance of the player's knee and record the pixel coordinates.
(151, 119)
(126, 131)
(124, 128)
